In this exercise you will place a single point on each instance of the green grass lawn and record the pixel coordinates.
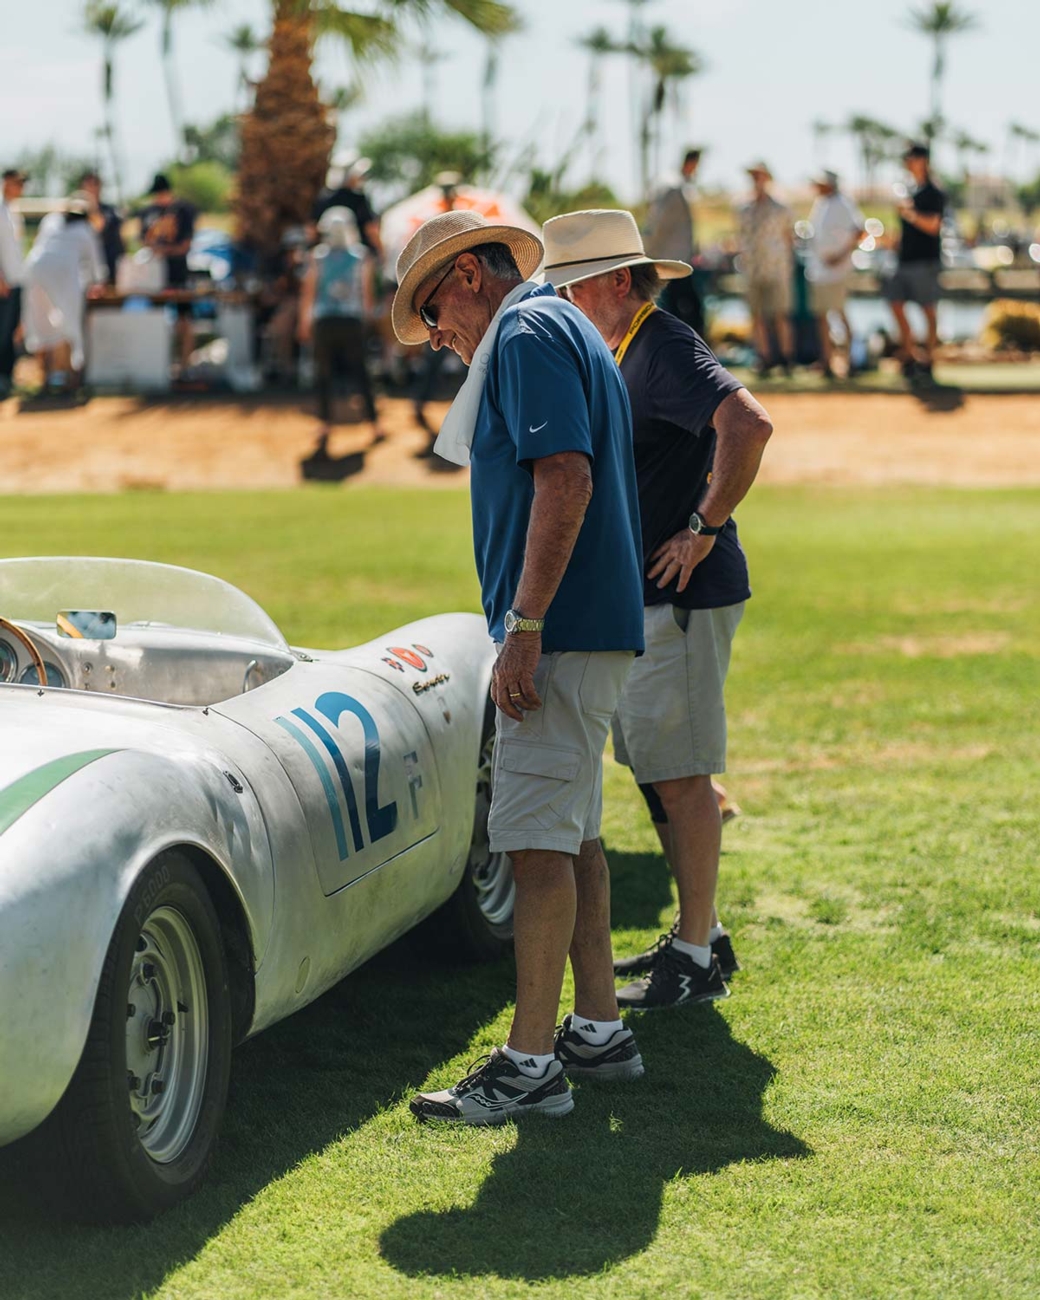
(860, 1119)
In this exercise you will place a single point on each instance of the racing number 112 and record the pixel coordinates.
(380, 820)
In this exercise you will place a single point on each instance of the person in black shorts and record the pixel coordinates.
(916, 277)
(698, 438)
(167, 228)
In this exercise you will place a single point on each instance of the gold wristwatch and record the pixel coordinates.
(515, 622)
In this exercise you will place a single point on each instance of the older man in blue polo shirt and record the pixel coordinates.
(544, 421)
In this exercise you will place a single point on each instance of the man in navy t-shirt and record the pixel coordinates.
(698, 439)
(544, 421)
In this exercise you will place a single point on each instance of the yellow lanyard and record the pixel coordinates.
(633, 330)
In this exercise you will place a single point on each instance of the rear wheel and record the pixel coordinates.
(135, 1130)
(479, 914)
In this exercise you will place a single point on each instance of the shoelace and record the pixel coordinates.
(477, 1069)
(664, 941)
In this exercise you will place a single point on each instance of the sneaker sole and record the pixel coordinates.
(557, 1109)
(615, 1072)
(673, 1006)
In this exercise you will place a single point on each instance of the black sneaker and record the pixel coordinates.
(642, 963)
(675, 981)
(617, 1058)
(722, 948)
(496, 1091)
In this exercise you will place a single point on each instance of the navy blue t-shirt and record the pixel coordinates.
(552, 386)
(675, 384)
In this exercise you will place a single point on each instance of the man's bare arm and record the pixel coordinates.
(742, 429)
(562, 492)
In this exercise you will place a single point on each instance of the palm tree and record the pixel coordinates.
(874, 140)
(244, 41)
(112, 25)
(638, 97)
(598, 43)
(169, 8)
(669, 65)
(1020, 133)
(821, 130)
(287, 136)
(939, 21)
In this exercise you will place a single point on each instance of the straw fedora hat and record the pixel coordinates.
(580, 245)
(438, 242)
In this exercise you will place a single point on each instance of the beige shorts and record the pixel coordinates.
(547, 775)
(671, 718)
(825, 296)
(773, 297)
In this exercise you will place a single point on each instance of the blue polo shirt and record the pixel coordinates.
(552, 386)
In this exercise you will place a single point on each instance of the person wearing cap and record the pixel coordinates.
(543, 421)
(345, 188)
(106, 221)
(767, 262)
(12, 272)
(167, 228)
(64, 263)
(698, 441)
(336, 299)
(669, 234)
(916, 277)
(837, 228)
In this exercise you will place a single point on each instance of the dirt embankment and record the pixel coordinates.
(111, 444)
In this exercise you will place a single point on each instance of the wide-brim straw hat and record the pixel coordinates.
(438, 242)
(826, 179)
(581, 245)
(759, 168)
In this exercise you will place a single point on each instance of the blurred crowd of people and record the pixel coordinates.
(323, 296)
(835, 229)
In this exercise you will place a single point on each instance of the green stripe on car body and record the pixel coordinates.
(20, 795)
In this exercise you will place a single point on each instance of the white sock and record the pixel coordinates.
(530, 1063)
(702, 956)
(716, 932)
(595, 1032)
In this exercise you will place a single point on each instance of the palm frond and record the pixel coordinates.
(370, 36)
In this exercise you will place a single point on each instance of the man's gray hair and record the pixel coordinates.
(646, 283)
(498, 260)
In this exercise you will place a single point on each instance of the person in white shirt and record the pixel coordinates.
(65, 261)
(12, 272)
(837, 226)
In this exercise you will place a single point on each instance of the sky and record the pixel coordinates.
(771, 70)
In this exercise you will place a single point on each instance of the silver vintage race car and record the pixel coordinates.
(201, 830)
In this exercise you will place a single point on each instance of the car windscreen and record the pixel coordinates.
(138, 592)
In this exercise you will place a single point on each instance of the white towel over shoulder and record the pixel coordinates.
(456, 435)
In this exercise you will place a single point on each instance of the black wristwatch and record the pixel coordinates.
(698, 526)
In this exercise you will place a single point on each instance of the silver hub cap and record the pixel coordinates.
(167, 1034)
(492, 872)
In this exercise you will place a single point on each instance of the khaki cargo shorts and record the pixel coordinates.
(671, 718)
(547, 775)
(827, 295)
(772, 297)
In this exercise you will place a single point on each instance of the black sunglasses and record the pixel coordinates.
(428, 317)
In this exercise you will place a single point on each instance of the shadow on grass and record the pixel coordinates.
(294, 1089)
(579, 1194)
(640, 889)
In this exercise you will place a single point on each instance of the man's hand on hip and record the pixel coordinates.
(678, 557)
(512, 680)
